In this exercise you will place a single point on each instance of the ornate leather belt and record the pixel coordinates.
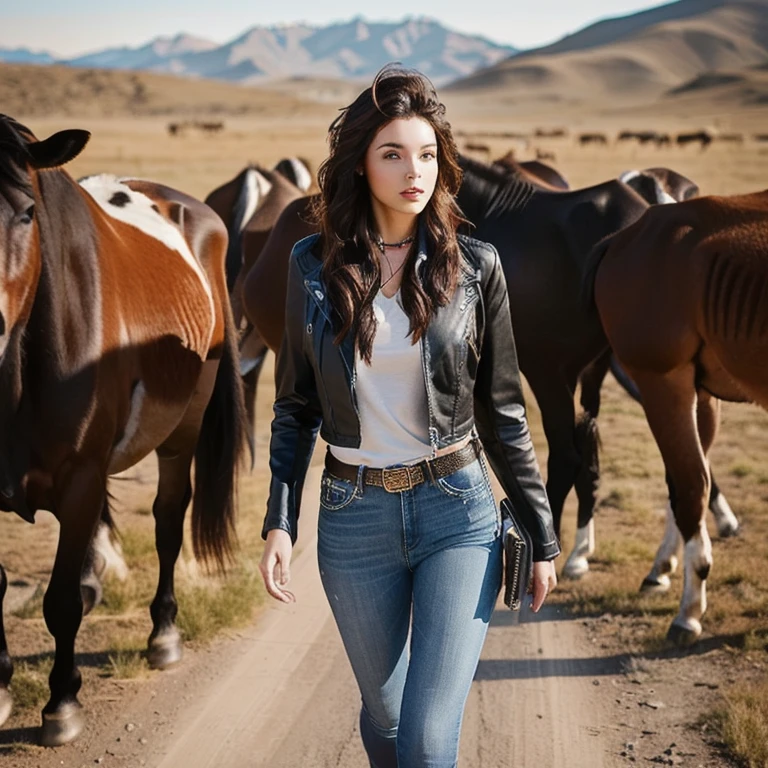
(396, 479)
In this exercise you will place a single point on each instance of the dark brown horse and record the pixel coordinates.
(683, 297)
(543, 238)
(249, 205)
(116, 340)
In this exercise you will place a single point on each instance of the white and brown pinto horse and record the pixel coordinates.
(683, 297)
(116, 340)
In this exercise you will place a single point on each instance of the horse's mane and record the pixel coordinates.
(14, 154)
(492, 190)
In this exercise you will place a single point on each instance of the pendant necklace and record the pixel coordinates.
(382, 246)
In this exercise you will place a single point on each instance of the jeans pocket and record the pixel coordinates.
(465, 483)
(335, 493)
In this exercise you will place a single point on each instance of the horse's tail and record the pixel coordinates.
(245, 206)
(589, 271)
(623, 378)
(217, 458)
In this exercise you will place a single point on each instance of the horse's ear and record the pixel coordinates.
(58, 149)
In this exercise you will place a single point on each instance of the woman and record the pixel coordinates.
(398, 344)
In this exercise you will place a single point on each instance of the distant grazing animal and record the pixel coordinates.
(543, 155)
(210, 127)
(730, 138)
(117, 341)
(592, 138)
(760, 137)
(704, 138)
(683, 297)
(544, 238)
(474, 147)
(550, 133)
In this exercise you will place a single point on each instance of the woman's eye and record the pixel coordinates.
(428, 156)
(390, 156)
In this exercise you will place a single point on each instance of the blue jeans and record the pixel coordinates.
(426, 560)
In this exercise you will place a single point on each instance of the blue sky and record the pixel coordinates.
(69, 27)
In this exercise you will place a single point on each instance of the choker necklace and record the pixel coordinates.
(382, 245)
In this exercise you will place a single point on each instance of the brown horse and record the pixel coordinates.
(683, 298)
(249, 205)
(116, 340)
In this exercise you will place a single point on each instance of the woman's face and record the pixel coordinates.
(401, 166)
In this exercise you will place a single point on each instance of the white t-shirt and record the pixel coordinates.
(391, 394)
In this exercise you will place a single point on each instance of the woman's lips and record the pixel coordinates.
(412, 193)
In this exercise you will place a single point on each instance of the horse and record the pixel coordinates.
(683, 297)
(249, 205)
(544, 237)
(101, 364)
(703, 137)
(297, 171)
(539, 174)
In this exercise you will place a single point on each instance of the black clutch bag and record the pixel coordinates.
(518, 557)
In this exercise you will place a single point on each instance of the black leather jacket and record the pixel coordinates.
(471, 374)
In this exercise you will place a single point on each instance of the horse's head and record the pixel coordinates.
(22, 156)
(659, 186)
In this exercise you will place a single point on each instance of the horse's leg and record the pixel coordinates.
(554, 396)
(588, 478)
(80, 499)
(6, 665)
(250, 389)
(727, 523)
(708, 415)
(708, 420)
(665, 563)
(670, 405)
(104, 556)
(174, 492)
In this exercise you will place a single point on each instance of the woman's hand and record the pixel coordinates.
(275, 565)
(544, 581)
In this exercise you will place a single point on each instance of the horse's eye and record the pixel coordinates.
(28, 215)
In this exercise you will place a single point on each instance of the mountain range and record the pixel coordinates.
(354, 49)
(636, 58)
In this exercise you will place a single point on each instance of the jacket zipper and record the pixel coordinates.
(318, 296)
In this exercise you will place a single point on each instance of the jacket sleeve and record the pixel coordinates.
(297, 418)
(500, 417)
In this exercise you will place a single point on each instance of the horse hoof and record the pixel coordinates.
(91, 592)
(63, 726)
(576, 568)
(6, 705)
(164, 650)
(655, 585)
(683, 637)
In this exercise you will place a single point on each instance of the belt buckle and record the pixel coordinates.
(396, 479)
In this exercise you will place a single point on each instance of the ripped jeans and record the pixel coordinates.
(423, 563)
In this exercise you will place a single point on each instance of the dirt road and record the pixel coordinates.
(290, 700)
(550, 691)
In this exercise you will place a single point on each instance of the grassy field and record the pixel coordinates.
(630, 517)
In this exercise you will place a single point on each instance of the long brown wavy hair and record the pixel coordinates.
(345, 216)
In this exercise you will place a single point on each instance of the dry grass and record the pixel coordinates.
(742, 723)
(630, 517)
(125, 657)
(205, 609)
(29, 684)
